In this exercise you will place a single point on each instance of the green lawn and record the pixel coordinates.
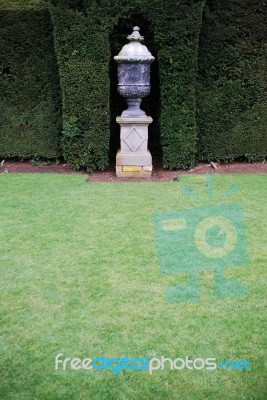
(80, 276)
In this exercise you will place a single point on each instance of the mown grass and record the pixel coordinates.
(80, 276)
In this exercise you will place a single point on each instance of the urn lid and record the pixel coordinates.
(134, 51)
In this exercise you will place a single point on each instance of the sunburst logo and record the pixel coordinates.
(210, 236)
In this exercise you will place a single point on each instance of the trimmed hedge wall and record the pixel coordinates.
(209, 83)
(177, 25)
(30, 104)
(82, 31)
(232, 84)
(83, 55)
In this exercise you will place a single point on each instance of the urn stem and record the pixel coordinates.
(133, 109)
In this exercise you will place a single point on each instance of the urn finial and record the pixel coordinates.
(135, 36)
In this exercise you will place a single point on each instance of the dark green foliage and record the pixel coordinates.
(30, 105)
(88, 34)
(209, 80)
(176, 27)
(232, 85)
(83, 56)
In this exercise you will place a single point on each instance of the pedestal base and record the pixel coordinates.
(140, 159)
(134, 171)
(133, 159)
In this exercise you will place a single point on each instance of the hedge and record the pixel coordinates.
(30, 103)
(83, 55)
(83, 36)
(208, 96)
(177, 27)
(232, 82)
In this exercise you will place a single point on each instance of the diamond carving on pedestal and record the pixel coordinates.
(134, 140)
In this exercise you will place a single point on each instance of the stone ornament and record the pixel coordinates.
(134, 159)
(134, 61)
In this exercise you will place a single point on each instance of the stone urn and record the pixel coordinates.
(134, 61)
(134, 159)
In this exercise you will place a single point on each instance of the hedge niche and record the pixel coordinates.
(83, 32)
(151, 103)
(30, 103)
(232, 81)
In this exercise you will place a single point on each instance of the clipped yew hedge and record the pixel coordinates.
(30, 103)
(82, 31)
(83, 55)
(58, 86)
(232, 82)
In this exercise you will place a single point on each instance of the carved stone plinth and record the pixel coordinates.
(133, 159)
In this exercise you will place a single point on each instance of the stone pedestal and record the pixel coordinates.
(133, 159)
